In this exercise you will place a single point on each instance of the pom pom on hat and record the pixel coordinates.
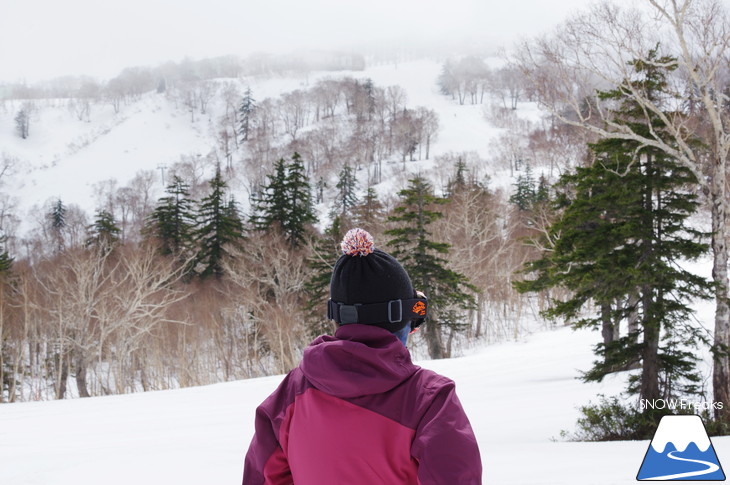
(357, 242)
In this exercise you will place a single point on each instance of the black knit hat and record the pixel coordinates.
(366, 275)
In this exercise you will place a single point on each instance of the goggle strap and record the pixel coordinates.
(392, 311)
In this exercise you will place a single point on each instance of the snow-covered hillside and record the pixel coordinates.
(66, 158)
(518, 396)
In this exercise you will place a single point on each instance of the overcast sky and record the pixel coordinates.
(40, 39)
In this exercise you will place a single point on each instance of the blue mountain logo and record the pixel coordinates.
(681, 450)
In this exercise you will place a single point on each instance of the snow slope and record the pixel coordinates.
(518, 395)
(65, 157)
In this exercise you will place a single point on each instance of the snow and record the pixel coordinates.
(681, 431)
(518, 395)
(65, 157)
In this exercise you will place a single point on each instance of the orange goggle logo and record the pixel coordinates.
(419, 308)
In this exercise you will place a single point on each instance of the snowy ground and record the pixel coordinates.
(518, 395)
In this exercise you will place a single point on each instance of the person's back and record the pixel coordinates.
(358, 411)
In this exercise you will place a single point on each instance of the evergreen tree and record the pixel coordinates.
(525, 193)
(346, 192)
(621, 230)
(319, 190)
(542, 194)
(173, 220)
(322, 261)
(369, 213)
(458, 182)
(424, 259)
(22, 123)
(369, 88)
(247, 112)
(104, 233)
(300, 199)
(219, 228)
(272, 205)
(285, 202)
(57, 221)
(6, 261)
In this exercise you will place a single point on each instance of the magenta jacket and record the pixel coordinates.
(358, 411)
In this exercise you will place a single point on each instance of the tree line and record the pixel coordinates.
(201, 292)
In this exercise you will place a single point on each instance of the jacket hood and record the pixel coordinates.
(359, 360)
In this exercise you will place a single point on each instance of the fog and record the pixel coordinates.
(41, 39)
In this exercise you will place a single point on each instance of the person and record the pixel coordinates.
(357, 410)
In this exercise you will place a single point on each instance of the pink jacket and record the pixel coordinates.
(358, 411)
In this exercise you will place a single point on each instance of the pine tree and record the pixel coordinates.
(300, 199)
(219, 228)
(57, 220)
(285, 202)
(247, 112)
(621, 230)
(346, 192)
(542, 194)
(524, 194)
(369, 88)
(272, 205)
(424, 259)
(173, 220)
(104, 233)
(6, 261)
(322, 261)
(319, 190)
(370, 213)
(458, 182)
(22, 123)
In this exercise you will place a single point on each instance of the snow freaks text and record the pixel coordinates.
(679, 404)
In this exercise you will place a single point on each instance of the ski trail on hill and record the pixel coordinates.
(712, 468)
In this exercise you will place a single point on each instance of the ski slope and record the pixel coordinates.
(518, 395)
(67, 158)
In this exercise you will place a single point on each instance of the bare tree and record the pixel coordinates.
(406, 133)
(227, 140)
(100, 305)
(294, 112)
(204, 93)
(192, 169)
(481, 248)
(468, 76)
(269, 281)
(76, 225)
(429, 127)
(326, 97)
(692, 37)
(395, 99)
(507, 84)
(114, 94)
(229, 121)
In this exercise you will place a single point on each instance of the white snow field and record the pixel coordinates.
(518, 396)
